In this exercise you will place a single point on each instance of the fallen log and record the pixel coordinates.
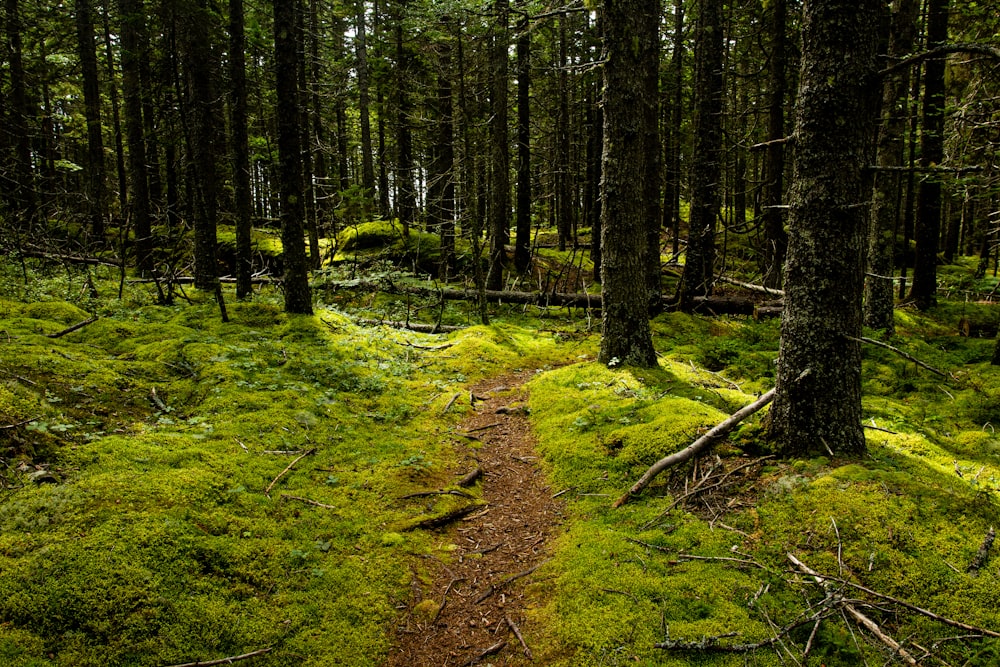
(717, 432)
(419, 327)
(751, 286)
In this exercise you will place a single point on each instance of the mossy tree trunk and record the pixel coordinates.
(927, 229)
(879, 292)
(775, 237)
(817, 405)
(630, 38)
(706, 166)
(298, 298)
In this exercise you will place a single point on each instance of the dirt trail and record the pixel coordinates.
(484, 599)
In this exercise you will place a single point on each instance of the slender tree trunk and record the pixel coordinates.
(441, 190)
(564, 206)
(651, 193)
(133, 17)
(367, 164)
(116, 118)
(96, 190)
(298, 297)
(879, 292)
(630, 42)
(706, 167)
(22, 198)
(241, 148)
(817, 406)
(672, 210)
(499, 149)
(775, 237)
(927, 229)
(522, 216)
(406, 205)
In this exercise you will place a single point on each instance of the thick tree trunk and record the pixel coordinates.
(817, 407)
(96, 192)
(298, 298)
(927, 229)
(241, 148)
(879, 292)
(630, 40)
(706, 167)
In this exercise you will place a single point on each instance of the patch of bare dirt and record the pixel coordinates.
(478, 595)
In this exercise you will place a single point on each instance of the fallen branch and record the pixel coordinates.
(446, 518)
(225, 661)
(716, 485)
(291, 465)
(752, 287)
(514, 577)
(496, 648)
(451, 402)
(717, 432)
(447, 492)
(6, 427)
(852, 611)
(517, 633)
(444, 598)
(470, 478)
(419, 327)
(905, 355)
(75, 327)
(307, 501)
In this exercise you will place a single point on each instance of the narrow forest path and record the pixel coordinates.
(483, 581)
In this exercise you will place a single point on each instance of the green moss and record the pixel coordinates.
(57, 311)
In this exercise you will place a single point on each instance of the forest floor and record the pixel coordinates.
(473, 604)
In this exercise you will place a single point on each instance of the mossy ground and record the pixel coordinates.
(149, 539)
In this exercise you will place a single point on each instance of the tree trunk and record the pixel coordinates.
(96, 192)
(879, 292)
(706, 168)
(563, 200)
(499, 149)
(204, 110)
(651, 143)
(133, 17)
(672, 196)
(241, 148)
(367, 164)
(21, 197)
(406, 203)
(927, 229)
(298, 298)
(116, 119)
(630, 40)
(441, 189)
(522, 224)
(775, 238)
(817, 407)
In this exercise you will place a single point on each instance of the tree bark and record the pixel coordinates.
(927, 229)
(95, 189)
(499, 149)
(775, 237)
(879, 290)
(367, 164)
(298, 298)
(651, 143)
(817, 406)
(706, 167)
(241, 148)
(522, 217)
(630, 39)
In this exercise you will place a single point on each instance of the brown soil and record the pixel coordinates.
(484, 598)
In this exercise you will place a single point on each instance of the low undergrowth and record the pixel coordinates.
(176, 489)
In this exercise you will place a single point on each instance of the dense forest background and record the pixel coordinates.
(637, 220)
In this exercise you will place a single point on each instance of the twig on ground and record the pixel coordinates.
(484, 428)
(444, 492)
(451, 402)
(267, 491)
(905, 355)
(444, 598)
(470, 477)
(225, 661)
(514, 577)
(78, 325)
(446, 518)
(517, 633)
(6, 427)
(307, 501)
(496, 648)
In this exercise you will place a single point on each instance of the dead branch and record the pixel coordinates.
(446, 518)
(451, 402)
(419, 327)
(984, 552)
(496, 648)
(307, 501)
(225, 661)
(470, 478)
(905, 355)
(444, 598)
(717, 432)
(721, 482)
(75, 327)
(485, 428)
(517, 633)
(752, 287)
(514, 577)
(852, 611)
(943, 50)
(6, 427)
(291, 465)
(443, 492)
